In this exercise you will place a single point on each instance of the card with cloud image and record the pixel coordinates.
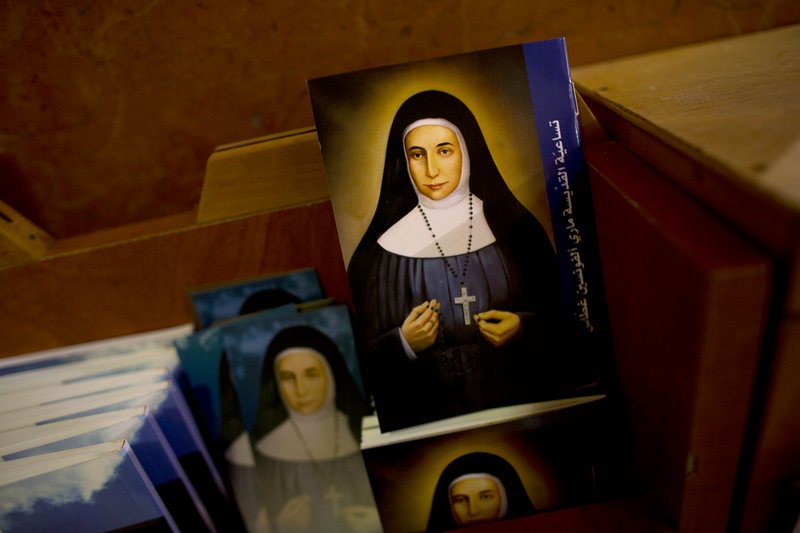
(100, 487)
(139, 429)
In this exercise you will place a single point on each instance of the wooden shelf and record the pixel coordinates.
(96, 287)
(20, 240)
(695, 186)
(721, 121)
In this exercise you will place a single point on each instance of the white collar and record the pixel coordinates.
(410, 237)
(321, 437)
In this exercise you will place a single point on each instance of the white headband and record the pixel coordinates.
(500, 487)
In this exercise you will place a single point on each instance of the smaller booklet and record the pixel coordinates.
(221, 301)
(296, 465)
(491, 466)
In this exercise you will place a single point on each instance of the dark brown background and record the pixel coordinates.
(111, 109)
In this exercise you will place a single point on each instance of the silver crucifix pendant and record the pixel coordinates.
(464, 301)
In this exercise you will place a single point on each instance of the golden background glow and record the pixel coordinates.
(354, 113)
(404, 476)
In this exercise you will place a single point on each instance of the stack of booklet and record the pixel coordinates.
(277, 386)
(248, 420)
(471, 381)
(99, 437)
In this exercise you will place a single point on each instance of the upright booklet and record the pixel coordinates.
(297, 464)
(464, 214)
(276, 384)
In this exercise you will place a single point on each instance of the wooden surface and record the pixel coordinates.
(110, 109)
(732, 104)
(688, 303)
(721, 119)
(99, 288)
(625, 515)
(772, 496)
(263, 174)
(687, 297)
(285, 170)
(671, 272)
(20, 240)
(784, 174)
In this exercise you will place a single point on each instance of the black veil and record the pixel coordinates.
(508, 219)
(271, 411)
(519, 504)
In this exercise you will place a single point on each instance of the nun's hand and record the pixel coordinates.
(295, 515)
(498, 327)
(362, 518)
(421, 326)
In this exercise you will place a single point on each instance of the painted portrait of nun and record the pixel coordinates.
(455, 283)
(477, 488)
(306, 438)
(234, 441)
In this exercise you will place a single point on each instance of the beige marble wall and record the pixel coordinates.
(109, 109)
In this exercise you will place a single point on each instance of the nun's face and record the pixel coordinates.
(302, 379)
(475, 500)
(434, 160)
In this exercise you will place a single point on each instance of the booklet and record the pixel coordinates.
(138, 427)
(46, 392)
(220, 301)
(296, 461)
(147, 394)
(14, 400)
(168, 408)
(127, 344)
(464, 215)
(501, 465)
(62, 373)
(205, 375)
(81, 490)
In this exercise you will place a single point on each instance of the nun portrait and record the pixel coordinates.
(477, 488)
(234, 441)
(306, 438)
(455, 283)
